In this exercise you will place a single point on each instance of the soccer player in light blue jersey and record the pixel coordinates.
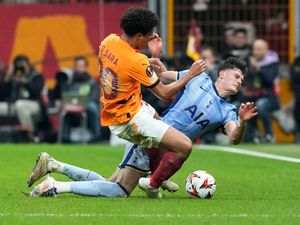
(200, 107)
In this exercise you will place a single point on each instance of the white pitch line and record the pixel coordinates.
(247, 152)
(167, 215)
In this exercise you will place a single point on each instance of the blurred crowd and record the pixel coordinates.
(63, 1)
(70, 111)
(26, 103)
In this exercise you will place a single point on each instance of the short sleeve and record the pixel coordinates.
(231, 115)
(181, 74)
(143, 72)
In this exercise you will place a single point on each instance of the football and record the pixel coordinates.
(200, 184)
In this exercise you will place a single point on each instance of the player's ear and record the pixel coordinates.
(222, 74)
(136, 37)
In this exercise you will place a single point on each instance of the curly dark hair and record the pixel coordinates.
(234, 63)
(138, 20)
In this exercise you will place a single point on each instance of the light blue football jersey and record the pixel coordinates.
(198, 109)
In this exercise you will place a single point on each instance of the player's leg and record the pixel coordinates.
(179, 143)
(148, 131)
(114, 176)
(155, 156)
(170, 162)
(125, 183)
(134, 165)
(175, 140)
(76, 173)
(50, 187)
(129, 178)
(144, 159)
(46, 164)
(141, 160)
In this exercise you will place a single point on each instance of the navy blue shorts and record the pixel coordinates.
(136, 157)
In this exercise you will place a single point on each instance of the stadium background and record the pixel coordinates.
(52, 33)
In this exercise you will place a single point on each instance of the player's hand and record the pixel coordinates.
(157, 65)
(155, 45)
(197, 67)
(247, 111)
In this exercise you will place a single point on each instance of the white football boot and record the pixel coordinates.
(45, 189)
(169, 186)
(151, 192)
(40, 169)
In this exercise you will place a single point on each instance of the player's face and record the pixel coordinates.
(233, 79)
(142, 40)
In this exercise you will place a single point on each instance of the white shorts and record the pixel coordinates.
(143, 129)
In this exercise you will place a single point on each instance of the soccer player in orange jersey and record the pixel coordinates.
(199, 108)
(122, 70)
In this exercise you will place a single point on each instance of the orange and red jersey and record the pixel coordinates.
(122, 71)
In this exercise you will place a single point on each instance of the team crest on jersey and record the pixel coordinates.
(149, 71)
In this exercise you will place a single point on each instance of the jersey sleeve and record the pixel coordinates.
(143, 72)
(183, 72)
(231, 115)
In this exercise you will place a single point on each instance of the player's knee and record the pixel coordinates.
(186, 149)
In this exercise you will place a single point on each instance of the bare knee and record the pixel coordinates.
(177, 142)
(185, 149)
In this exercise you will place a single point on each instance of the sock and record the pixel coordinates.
(55, 166)
(168, 165)
(78, 174)
(98, 188)
(155, 155)
(63, 187)
(73, 172)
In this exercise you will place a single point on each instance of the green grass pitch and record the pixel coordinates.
(250, 190)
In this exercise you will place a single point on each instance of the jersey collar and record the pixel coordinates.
(214, 87)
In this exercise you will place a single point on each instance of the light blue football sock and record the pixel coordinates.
(98, 188)
(78, 174)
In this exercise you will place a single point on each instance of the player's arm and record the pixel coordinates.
(235, 131)
(155, 46)
(157, 65)
(168, 77)
(166, 92)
